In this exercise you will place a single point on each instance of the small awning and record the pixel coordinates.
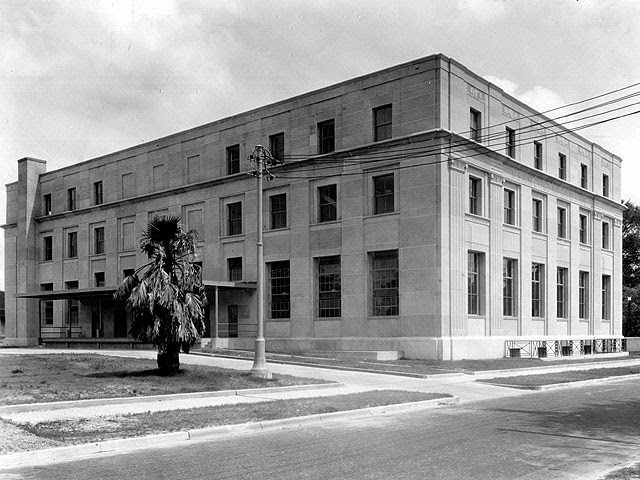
(74, 294)
(223, 285)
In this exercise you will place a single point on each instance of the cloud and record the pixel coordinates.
(539, 97)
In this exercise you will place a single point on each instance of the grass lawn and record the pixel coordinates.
(563, 377)
(67, 432)
(56, 377)
(628, 473)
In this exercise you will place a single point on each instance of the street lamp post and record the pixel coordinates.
(259, 368)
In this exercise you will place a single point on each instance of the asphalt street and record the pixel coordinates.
(571, 433)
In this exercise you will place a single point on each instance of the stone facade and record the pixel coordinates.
(389, 226)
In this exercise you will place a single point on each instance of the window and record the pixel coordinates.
(384, 275)
(508, 287)
(276, 147)
(235, 269)
(278, 211)
(233, 159)
(99, 279)
(562, 166)
(71, 199)
(584, 237)
(537, 291)
(326, 137)
(509, 207)
(193, 216)
(605, 185)
(329, 287)
(97, 193)
(47, 305)
(606, 297)
(537, 215)
(46, 200)
(562, 283)
(126, 232)
(98, 240)
(511, 142)
(234, 218)
(606, 244)
(280, 289)
(583, 295)
(327, 203)
(383, 194)
(475, 125)
(474, 265)
(562, 222)
(537, 155)
(475, 198)
(73, 306)
(584, 180)
(47, 248)
(382, 123)
(72, 244)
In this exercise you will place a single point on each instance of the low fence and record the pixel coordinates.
(564, 348)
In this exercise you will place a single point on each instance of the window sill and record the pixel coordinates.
(383, 317)
(279, 320)
(564, 241)
(232, 238)
(277, 230)
(513, 228)
(540, 235)
(327, 319)
(331, 223)
(46, 261)
(472, 217)
(98, 255)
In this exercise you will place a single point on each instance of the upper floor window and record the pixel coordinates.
(382, 123)
(233, 159)
(327, 203)
(46, 200)
(47, 248)
(234, 266)
(537, 155)
(71, 199)
(537, 215)
(605, 185)
(326, 137)
(278, 210)
(97, 193)
(99, 279)
(562, 166)
(234, 218)
(511, 142)
(584, 176)
(98, 240)
(475, 196)
(475, 125)
(383, 194)
(72, 244)
(584, 233)
(509, 207)
(606, 241)
(562, 222)
(276, 146)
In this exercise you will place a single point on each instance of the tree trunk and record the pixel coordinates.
(169, 358)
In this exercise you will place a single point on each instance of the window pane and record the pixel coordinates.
(383, 187)
(326, 137)
(280, 296)
(329, 287)
(382, 123)
(278, 205)
(384, 273)
(328, 210)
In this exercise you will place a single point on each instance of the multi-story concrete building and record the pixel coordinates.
(419, 209)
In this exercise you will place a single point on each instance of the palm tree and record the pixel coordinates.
(166, 296)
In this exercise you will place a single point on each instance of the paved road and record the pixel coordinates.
(569, 433)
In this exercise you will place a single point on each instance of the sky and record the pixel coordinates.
(79, 79)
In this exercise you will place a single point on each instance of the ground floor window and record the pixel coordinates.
(384, 273)
(508, 287)
(537, 290)
(474, 283)
(329, 287)
(583, 295)
(280, 289)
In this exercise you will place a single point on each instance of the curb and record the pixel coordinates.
(35, 407)
(74, 452)
(554, 386)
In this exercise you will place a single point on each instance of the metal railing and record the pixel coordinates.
(563, 348)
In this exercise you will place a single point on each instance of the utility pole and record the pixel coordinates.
(263, 160)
